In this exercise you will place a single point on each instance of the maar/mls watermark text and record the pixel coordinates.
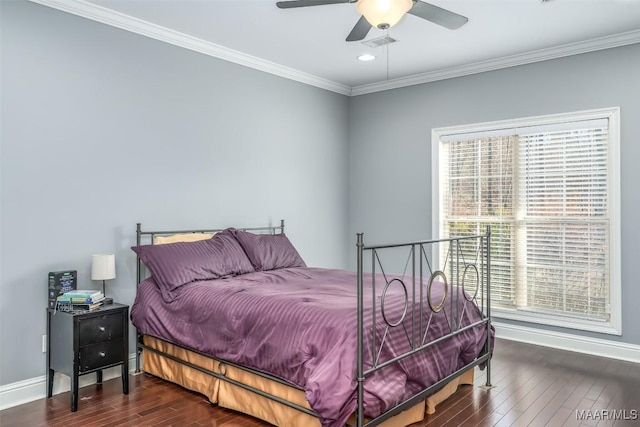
(607, 414)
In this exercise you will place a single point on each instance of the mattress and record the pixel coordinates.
(299, 324)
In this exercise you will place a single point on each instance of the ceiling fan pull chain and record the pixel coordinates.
(386, 47)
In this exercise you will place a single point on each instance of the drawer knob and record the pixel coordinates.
(102, 354)
(102, 328)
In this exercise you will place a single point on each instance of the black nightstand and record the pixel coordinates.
(79, 343)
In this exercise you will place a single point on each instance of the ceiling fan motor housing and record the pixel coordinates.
(384, 14)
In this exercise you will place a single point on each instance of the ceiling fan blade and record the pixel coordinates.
(438, 15)
(360, 30)
(305, 3)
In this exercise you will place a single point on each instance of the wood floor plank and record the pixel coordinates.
(547, 416)
(540, 400)
(532, 386)
(560, 417)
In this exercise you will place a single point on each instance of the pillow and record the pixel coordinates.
(173, 265)
(183, 237)
(269, 251)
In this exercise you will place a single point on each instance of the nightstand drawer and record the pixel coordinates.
(101, 354)
(101, 328)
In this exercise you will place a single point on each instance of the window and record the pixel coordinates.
(549, 188)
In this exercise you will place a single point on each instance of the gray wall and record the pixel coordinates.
(102, 128)
(390, 166)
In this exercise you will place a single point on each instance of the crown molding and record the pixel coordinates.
(119, 20)
(148, 29)
(577, 48)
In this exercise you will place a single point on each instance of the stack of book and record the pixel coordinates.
(80, 300)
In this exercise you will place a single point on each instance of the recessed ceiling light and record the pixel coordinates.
(366, 57)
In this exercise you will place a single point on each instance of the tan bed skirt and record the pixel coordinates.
(233, 397)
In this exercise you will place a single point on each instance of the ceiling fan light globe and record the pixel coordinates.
(383, 13)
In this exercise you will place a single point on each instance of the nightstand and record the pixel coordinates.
(80, 343)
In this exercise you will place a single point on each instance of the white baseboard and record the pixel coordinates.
(20, 392)
(570, 342)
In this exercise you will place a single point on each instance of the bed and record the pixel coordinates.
(236, 314)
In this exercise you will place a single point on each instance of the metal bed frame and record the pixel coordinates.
(459, 269)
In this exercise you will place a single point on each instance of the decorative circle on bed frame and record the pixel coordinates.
(440, 306)
(406, 302)
(464, 275)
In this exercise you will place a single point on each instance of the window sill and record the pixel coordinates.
(551, 320)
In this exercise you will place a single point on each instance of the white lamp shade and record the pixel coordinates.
(383, 12)
(103, 267)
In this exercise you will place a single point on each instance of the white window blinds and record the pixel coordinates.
(479, 191)
(544, 189)
(562, 197)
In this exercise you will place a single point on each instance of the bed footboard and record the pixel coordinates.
(464, 280)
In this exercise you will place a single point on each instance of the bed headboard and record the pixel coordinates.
(149, 237)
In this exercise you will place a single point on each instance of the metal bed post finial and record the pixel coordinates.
(360, 362)
(282, 226)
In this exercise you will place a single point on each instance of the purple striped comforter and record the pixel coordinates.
(299, 324)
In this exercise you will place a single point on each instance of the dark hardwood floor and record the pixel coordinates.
(533, 386)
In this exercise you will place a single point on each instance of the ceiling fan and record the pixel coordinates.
(386, 13)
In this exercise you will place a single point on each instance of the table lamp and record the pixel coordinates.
(103, 267)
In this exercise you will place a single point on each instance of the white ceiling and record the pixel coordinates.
(309, 43)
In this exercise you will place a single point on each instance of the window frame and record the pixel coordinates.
(612, 114)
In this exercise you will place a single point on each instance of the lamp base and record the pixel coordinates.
(106, 300)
